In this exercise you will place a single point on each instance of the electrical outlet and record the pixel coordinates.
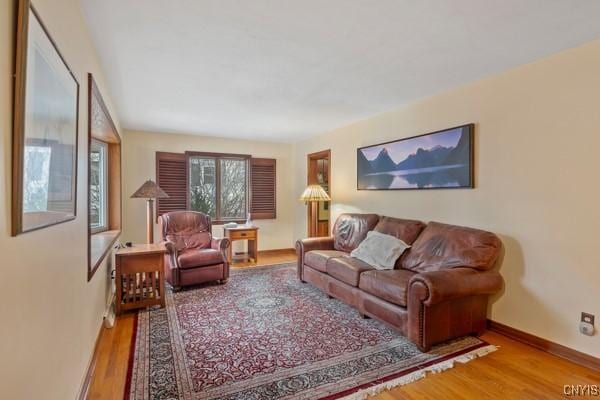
(589, 318)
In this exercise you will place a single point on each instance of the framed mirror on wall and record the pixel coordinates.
(45, 132)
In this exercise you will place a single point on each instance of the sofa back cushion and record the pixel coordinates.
(406, 230)
(350, 229)
(442, 246)
(187, 229)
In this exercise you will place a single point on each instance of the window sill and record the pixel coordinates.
(228, 221)
(100, 245)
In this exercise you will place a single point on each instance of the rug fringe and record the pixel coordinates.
(420, 374)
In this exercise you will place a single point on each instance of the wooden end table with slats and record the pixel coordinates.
(243, 232)
(140, 278)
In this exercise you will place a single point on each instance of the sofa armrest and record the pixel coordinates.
(315, 243)
(455, 283)
(305, 245)
(449, 303)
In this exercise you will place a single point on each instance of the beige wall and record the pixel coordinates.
(537, 139)
(537, 186)
(139, 152)
(50, 314)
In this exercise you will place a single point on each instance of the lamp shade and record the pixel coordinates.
(150, 190)
(314, 193)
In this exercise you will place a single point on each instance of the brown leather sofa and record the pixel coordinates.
(193, 255)
(438, 290)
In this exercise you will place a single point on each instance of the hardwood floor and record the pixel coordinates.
(514, 371)
(112, 360)
(269, 257)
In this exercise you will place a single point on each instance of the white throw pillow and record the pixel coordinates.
(380, 250)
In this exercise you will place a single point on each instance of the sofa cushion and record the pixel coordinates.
(317, 259)
(347, 269)
(406, 230)
(391, 285)
(350, 229)
(199, 258)
(442, 246)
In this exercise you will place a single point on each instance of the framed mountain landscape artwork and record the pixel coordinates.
(437, 160)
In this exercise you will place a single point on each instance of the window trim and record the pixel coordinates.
(100, 243)
(218, 156)
(105, 193)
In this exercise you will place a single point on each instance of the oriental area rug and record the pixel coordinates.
(266, 335)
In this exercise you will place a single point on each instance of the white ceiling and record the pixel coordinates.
(283, 70)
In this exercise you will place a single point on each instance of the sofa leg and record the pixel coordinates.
(223, 281)
(424, 349)
(176, 288)
(364, 316)
(329, 296)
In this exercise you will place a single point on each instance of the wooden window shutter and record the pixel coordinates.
(262, 188)
(172, 177)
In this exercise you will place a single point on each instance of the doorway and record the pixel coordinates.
(319, 172)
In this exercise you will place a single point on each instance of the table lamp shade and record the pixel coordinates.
(314, 193)
(149, 190)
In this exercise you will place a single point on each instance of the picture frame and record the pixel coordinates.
(437, 160)
(45, 129)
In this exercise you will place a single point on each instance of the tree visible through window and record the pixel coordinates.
(218, 186)
(203, 187)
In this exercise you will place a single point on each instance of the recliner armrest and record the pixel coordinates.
(170, 246)
(454, 283)
(220, 244)
(172, 252)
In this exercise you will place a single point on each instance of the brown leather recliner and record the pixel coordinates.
(193, 255)
(438, 289)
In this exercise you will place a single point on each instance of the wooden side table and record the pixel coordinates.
(140, 278)
(242, 232)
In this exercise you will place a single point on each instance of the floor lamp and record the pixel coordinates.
(312, 195)
(149, 191)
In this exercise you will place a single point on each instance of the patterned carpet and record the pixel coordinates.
(265, 335)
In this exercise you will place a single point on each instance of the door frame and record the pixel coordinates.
(311, 178)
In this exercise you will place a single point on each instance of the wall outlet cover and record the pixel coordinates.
(589, 318)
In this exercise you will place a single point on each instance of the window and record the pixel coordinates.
(234, 181)
(218, 186)
(225, 186)
(98, 186)
(203, 186)
(104, 180)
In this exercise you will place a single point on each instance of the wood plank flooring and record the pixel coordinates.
(514, 371)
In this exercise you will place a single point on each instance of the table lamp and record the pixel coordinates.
(150, 191)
